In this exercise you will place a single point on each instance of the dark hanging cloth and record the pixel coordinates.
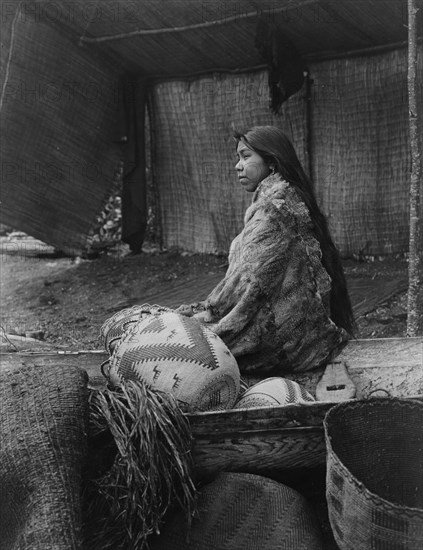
(132, 139)
(286, 66)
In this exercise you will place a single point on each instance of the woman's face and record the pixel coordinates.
(251, 167)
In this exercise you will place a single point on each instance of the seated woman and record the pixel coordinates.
(283, 304)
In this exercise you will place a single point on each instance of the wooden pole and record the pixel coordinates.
(414, 259)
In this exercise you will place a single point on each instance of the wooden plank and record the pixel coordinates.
(247, 421)
(369, 363)
(393, 365)
(267, 439)
(89, 360)
(383, 352)
(260, 453)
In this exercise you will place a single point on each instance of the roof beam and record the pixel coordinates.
(195, 26)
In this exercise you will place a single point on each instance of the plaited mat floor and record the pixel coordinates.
(66, 300)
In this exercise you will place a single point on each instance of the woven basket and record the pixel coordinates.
(178, 355)
(239, 511)
(375, 474)
(114, 327)
(273, 392)
(43, 426)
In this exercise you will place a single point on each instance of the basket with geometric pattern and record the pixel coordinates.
(374, 480)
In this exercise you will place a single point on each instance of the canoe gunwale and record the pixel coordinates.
(263, 420)
(245, 434)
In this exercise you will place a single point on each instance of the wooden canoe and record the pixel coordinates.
(270, 439)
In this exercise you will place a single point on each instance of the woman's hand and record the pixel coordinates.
(204, 316)
(185, 309)
(197, 311)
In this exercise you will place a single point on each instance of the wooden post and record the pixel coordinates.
(414, 259)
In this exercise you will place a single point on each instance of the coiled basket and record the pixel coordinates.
(374, 478)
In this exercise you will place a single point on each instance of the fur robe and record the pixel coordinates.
(272, 307)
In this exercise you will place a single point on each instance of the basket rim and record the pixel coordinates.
(391, 506)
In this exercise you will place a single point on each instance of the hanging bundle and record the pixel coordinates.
(161, 365)
(286, 66)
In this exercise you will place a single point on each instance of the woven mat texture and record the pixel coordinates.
(245, 512)
(58, 112)
(202, 205)
(361, 157)
(359, 150)
(43, 416)
(375, 474)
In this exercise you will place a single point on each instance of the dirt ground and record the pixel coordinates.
(66, 299)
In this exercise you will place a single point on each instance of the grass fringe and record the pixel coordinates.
(151, 471)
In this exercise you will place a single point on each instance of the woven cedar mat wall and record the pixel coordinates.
(359, 152)
(361, 157)
(57, 121)
(202, 204)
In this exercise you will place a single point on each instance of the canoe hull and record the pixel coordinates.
(262, 440)
(260, 453)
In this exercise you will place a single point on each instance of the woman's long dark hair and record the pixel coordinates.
(275, 147)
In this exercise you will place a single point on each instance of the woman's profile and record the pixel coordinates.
(283, 304)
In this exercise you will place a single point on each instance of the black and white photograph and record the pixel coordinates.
(211, 275)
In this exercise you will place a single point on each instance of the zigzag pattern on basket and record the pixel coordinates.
(192, 345)
(114, 327)
(171, 352)
(275, 391)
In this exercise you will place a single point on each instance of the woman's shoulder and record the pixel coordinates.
(282, 195)
(272, 187)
